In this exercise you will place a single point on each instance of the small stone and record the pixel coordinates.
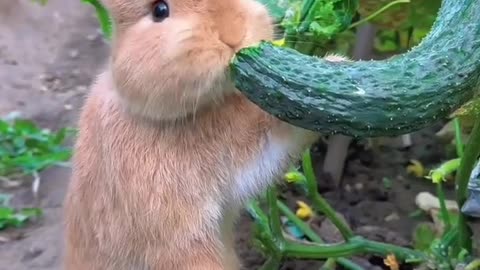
(46, 77)
(76, 72)
(74, 54)
(392, 217)
(359, 186)
(329, 232)
(92, 37)
(32, 253)
(4, 239)
(11, 62)
(68, 107)
(382, 235)
(81, 88)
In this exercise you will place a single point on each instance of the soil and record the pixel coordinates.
(49, 56)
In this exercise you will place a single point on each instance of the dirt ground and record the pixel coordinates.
(48, 57)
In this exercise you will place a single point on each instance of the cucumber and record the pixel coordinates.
(399, 95)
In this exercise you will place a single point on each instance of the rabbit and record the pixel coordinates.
(168, 150)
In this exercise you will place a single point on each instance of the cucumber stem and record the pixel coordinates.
(378, 12)
(299, 223)
(314, 237)
(443, 207)
(356, 245)
(278, 247)
(274, 218)
(472, 151)
(318, 202)
(458, 137)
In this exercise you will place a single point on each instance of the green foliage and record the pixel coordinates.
(103, 17)
(423, 236)
(447, 250)
(320, 19)
(41, 2)
(9, 217)
(25, 148)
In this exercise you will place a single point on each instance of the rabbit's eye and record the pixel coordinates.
(160, 11)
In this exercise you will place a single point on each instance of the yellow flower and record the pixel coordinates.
(294, 177)
(279, 42)
(304, 211)
(416, 168)
(391, 262)
(441, 173)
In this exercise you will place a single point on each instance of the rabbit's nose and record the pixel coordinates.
(230, 21)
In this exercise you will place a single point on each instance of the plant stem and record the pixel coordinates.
(329, 265)
(321, 251)
(443, 207)
(299, 223)
(385, 249)
(274, 218)
(475, 265)
(318, 202)
(355, 246)
(458, 137)
(472, 151)
(378, 12)
(313, 236)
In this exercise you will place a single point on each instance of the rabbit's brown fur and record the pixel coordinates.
(168, 150)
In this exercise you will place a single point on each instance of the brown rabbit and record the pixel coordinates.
(168, 149)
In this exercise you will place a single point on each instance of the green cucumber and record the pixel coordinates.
(391, 97)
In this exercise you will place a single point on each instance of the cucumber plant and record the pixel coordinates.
(454, 248)
(370, 98)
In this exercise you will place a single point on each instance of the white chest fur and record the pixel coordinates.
(261, 171)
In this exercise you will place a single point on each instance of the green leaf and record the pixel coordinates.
(60, 136)
(103, 17)
(423, 237)
(10, 218)
(25, 127)
(6, 213)
(4, 127)
(19, 219)
(31, 212)
(41, 2)
(423, 13)
(469, 109)
(326, 19)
